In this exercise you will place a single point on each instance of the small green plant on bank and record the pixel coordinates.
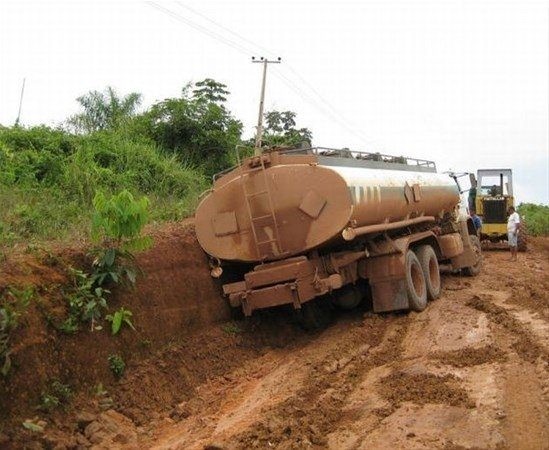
(58, 394)
(117, 225)
(120, 220)
(112, 265)
(87, 302)
(34, 425)
(119, 318)
(8, 322)
(117, 365)
(22, 297)
(231, 328)
(104, 399)
(13, 303)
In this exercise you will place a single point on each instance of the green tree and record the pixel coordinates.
(280, 130)
(210, 91)
(104, 110)
(197, 126)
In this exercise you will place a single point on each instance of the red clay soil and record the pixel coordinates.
(175, 297)
(471, 371)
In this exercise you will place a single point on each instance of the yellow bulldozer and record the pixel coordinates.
(491, 195)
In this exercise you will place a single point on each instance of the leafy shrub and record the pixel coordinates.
(112, 265)
(117, 223)
(86, 302)
(119, 220)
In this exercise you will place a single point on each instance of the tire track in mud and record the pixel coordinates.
(526, 345)
(525, 378)
(307, 418)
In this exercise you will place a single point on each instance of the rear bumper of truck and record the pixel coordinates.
(292, 281)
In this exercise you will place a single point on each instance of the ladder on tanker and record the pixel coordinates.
(264, 220)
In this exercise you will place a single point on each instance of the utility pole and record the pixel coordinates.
(259, 134)
(20, 102)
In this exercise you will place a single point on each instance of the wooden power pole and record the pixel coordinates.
(259, 133)
(20, 103)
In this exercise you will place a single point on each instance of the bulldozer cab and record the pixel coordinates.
(493, 197)
(495, 182)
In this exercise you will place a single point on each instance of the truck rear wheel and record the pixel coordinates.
(429, 265)
(474, 270)
(348, 297)
(315, 314)
(415, 283)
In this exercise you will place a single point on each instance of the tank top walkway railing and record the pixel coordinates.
(376, 160)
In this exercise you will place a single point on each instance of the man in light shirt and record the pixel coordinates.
(513, 227)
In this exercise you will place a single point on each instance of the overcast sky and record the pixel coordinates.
(462, 82)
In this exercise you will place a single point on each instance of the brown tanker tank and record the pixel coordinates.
(280, 205)
(295, 211)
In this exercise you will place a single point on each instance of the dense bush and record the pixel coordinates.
(536, 218)
(48, 179)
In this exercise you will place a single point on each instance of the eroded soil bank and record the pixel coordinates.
(468, 372)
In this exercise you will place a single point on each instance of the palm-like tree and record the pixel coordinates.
(104, 110)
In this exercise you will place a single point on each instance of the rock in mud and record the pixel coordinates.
(84, 418)
(111, 429)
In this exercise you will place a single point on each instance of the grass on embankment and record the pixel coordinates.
(48, 179)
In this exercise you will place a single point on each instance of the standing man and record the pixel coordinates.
(477, 222)
(513, 227)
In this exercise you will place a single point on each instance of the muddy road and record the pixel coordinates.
(469, 372)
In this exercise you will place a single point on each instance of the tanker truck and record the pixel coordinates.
(302, 226)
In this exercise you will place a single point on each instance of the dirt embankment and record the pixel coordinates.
(175, 297)
(471, 371)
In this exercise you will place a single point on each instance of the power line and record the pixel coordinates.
(311, 101)
(200, 28)
(327, 110)
(228, 30)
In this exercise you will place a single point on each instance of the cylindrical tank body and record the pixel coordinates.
(277, 206)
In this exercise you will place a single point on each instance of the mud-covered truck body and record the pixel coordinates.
(306, 223)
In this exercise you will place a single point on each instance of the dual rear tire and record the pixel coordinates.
(422, 277)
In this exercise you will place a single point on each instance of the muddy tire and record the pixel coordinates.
(429, 265)
(315, 314)
(473, 271)
(348, 297)
(522, 240)
(416, 287)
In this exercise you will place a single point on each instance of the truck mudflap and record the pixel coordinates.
(292, 281)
